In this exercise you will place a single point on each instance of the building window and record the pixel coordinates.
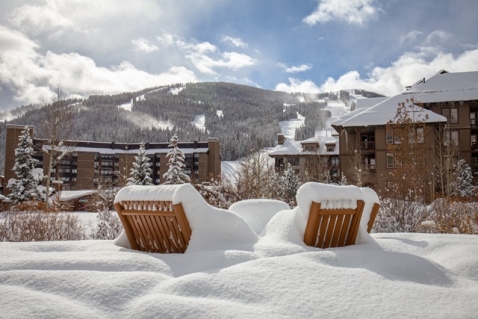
(473, 118)
(330, 148)
(451, 115)
(294, 161)
(451, 138)
(334, 161)
(391, 138)
(416, 135)
(393, 160)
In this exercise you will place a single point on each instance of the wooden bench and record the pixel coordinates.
(155, 226)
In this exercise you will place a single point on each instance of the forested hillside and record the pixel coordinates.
(244, 118)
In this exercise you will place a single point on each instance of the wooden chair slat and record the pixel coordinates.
(155, 225)
(373, 216)
(332, 227)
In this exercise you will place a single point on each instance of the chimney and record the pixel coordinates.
(280, 139)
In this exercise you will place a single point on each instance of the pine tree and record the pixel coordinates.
(141, 172)
(462, 184)
(175, 173)
(24, 187)
(291, 183)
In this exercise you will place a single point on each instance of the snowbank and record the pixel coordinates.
(229, 271)
(403, 276)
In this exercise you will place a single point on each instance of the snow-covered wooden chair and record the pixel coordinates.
(371, 208)
(333, 214)
(151, 221)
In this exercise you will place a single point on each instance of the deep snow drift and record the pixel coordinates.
(236, 268)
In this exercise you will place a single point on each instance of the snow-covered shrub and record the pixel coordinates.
(399, 216)
(220, 194)
(451, 217)
(109, 225)
(21, 226)
(462, 183)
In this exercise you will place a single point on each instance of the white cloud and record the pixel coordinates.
(393, 79)
(237, 42)
(37, 19)
(143, 45)
(166, 39)
(297, 85)
(437, 36)
(295, 69)
(410, 36)
(348, 11)
(11, 40)
(230, 60)
(33, 76)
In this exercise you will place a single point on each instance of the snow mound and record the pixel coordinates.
(258, 212)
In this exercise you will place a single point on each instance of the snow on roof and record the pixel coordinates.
(4, 198)
(369, 102)
(64, 196)
(295, 147)
(386, 111)
(442, 87)
(106, 150)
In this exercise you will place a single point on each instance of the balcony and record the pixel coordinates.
(368, 145)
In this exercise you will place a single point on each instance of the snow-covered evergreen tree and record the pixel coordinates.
(175, 173)
(290, 185)
(462, 184)
(141, 172)
(24, 187)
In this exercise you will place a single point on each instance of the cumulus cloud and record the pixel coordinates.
(143, 45)
(295, 69)
(205, 56)
(37, 19)
(348, 11)
(237, 42)
(34, 76)
(11, 40)
(393, 79)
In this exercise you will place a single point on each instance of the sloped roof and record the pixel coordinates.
(442, 87)
(70, 195)
(295, 147)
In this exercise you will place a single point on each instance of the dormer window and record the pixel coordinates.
(330, 148)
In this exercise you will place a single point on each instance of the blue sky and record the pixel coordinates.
(89, 47)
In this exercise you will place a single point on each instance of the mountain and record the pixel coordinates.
(244, 118)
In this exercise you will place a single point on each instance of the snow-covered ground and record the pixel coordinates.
(199, 121)
(233, 270)
(230, 169)
(288, 127)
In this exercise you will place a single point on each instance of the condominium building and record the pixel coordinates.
(90, 164)
(317, 157)
(447, 100)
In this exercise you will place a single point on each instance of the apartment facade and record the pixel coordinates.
(91, 164)
(446, 103)
(316, 158)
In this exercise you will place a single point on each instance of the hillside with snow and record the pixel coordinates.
(242, 117)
